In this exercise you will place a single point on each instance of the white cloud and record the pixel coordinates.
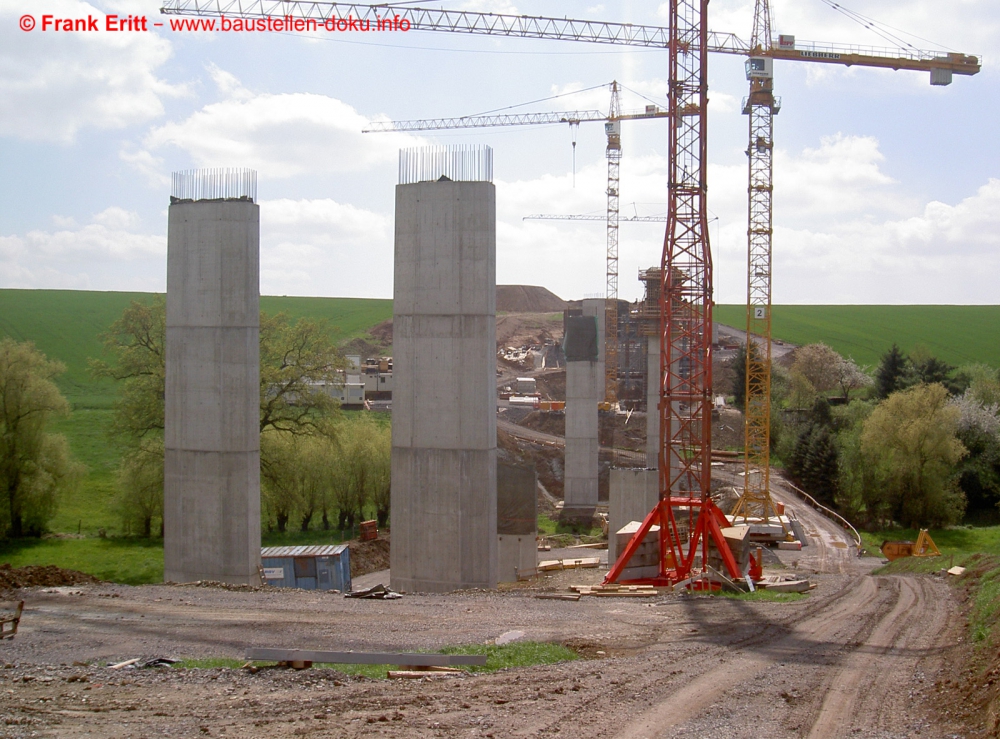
(568, 257)
(308, 247)
(324, 248)
(284, 135)
(844, 231)
(54, 84)
(110, 253)
(944, 254)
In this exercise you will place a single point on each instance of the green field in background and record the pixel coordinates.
(957, 334)
(67, 325)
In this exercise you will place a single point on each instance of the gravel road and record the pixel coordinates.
(861, 656)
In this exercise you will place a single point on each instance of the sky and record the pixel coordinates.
(887, 190)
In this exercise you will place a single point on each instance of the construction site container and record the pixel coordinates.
(325, 567)
(526, 385)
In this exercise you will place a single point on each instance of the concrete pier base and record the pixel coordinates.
(633, 493)
(444, 504)
(517, 522)
(212, 416)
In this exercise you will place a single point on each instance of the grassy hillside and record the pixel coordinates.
(957, 334)
(67, 324)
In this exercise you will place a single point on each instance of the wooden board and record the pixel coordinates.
(618, 591)
(568, 564)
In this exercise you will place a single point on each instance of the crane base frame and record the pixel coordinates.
(676, 564)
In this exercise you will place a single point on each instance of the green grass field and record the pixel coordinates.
(131, 560)
(67, 325)
(957, 334)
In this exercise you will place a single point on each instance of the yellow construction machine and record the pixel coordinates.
(924, 547)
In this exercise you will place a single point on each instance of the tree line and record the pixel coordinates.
(917, 444)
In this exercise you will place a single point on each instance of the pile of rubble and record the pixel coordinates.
(49, 576)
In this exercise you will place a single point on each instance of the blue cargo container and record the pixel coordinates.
(326, 567)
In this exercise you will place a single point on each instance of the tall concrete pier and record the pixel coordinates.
(212, 425)
(584, 390)
(444, 494)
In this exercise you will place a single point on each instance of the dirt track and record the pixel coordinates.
(860, 657)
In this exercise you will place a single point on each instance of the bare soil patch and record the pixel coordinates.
(369, 556)
(528, 299)
(48, 576)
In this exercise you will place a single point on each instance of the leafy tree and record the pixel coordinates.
(298, 362)
(802, 392)
(35, 466)
(893, 374)
(929, 369)
(911, 437)
(381, 474)
(739, 367)
(136, 341)
(979, 432)
(279, 477)
(860, 484)
(982, 381)
(140, 484)
(850, 377)
(296, 475)
(814, 458)
(821, 467)
(818, 364)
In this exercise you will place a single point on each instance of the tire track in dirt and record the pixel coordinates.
(697, 695)
(842, 689)
(688, 659)
(881, 681)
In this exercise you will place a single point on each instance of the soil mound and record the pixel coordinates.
(49, 576)
(527, 299)
(369, 556)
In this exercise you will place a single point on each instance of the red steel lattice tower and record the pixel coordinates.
(688, 520)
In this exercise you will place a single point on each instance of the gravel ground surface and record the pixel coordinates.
(861, 656)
